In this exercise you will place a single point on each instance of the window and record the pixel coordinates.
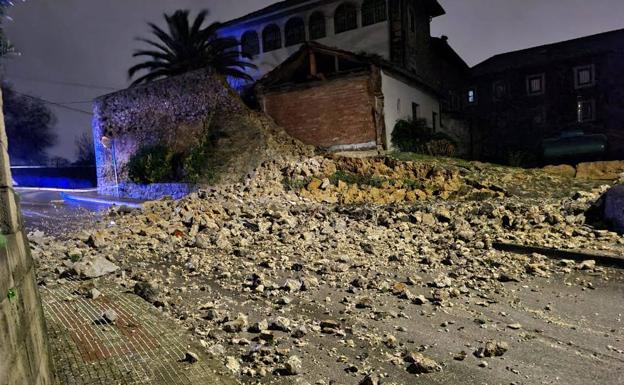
(415, 111)
(271, 38)
(586, 111)
(250, 43)
(435, 121)
(584, 76)
(373, 11)
(317, 26)
(345, 18)
(499, 90)
(295, 31)
(535, 84)
(472, 96)
(412, 19)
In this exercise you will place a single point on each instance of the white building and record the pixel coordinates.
(396, 31)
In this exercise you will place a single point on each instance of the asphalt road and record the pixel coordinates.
(46, 211)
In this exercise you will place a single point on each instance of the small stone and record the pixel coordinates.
(281, 324)
(191, 357)
(259, 326)
(514, 326)
(420, 300)
(292, 286)
(232, 364)
(371, 379)
(237, 325)
(460, 356)
(364, 303)
(589, 264)
(293, 366)
(94, 293)
(492, 349)
(110, 316)
(421, 364)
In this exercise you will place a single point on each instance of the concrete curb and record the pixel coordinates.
(103, 200)
(607, 259)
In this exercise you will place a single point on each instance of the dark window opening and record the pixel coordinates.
(317, 26)
(325, 64)
(535, 84)
(374, 11)
(345, 65)
(295, 31)
(584, 76)
(412, 20)
(415, 111)
(435, 121)
(586, 111)
(250, 43)
(345, 18)
(271, 38)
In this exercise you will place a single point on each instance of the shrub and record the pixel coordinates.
(152, 164)
(415, 136)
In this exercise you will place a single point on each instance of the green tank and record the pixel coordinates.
(574, 145)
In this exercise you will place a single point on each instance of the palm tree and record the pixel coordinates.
(187, 47)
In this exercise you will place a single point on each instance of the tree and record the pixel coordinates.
(187, 47)
(85, 152)
(6, 47)
(29, 125)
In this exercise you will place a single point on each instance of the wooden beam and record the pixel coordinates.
(603, 258)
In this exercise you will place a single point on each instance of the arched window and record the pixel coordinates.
(271, 38)
(373, 11)
(250, 43)
(345, 18)
(317, 26)
(295, 31)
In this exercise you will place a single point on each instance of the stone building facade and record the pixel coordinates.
(24, 356)
(518, 100)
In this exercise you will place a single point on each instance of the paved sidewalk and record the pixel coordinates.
(142, 347)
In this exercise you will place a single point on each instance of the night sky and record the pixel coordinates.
(75, 50)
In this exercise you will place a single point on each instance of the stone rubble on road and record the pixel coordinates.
(282, 280)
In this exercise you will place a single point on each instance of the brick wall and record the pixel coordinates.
(334, 113)
(24, 356)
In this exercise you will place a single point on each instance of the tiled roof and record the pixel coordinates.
(434, 8)
(536, 56)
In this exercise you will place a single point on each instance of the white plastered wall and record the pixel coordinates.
(398, 98)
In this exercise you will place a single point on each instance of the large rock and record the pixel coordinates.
(94, 268)
(610, 170)
(612, 208)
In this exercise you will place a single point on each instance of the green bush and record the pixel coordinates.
(415, 136)
(152, 164)
(160, 164)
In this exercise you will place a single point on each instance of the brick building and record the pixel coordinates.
(412, 73)
(518, 101)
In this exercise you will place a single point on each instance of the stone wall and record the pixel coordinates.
(170, 111)
(338, 112)
(24, 356)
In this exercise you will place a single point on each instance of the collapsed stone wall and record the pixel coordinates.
(171, 110)
(24, 356)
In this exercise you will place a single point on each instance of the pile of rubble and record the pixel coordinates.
(289, 281)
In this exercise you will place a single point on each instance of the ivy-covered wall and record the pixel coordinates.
(170, 111)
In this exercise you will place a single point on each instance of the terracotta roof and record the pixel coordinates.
(537, 56)
(434, 8)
